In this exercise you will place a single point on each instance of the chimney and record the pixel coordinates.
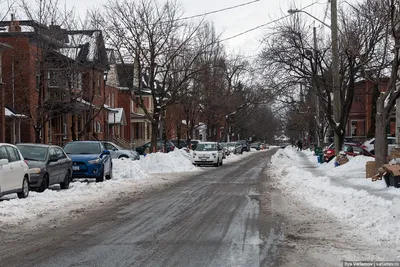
(14, 25)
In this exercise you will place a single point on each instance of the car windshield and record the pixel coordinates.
(33, 152)
(206, 147)
(82, 148)
(231, 144)
(223, 144)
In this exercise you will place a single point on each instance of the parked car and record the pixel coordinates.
(119, 153)
(225, 149)
(193, 144)
(370, 144)
(14, 172)
(48, 165)
(182, 143)
(90, 159)
(349, 149)
(256, 145)
(207, 153)
(245, 145)
(235, 148)
(168, 145)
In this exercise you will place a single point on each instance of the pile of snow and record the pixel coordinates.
(372, 216)
(174, 161)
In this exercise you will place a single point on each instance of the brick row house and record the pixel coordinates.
(360, 116)
(62, 85)
(55, 80)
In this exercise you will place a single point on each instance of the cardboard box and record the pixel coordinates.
(395, 153)
(342, 159)
(370, 169)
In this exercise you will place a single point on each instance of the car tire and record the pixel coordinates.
(67, 180)
(44, 184)
(101, 177)
(220, 164)
(123, 157)
(217, 164)
(110, 174)
(25, 189)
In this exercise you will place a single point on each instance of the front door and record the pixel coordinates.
(5, 172)
(53, 167)
(17, 168)
(63, 166)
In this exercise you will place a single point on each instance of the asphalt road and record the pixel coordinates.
(220, 217)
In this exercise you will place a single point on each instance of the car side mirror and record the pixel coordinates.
(53, 158)
(3, 162)
(106, 152)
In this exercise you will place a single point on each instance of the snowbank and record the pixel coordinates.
(375, 217)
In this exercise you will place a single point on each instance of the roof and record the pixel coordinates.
(37, 145)
(119, 117)
(10, 112)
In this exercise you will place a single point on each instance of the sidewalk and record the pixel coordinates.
(351, 177)
(372, 209)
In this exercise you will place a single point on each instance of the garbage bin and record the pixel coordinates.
(321, 157)
(392, 180)
(317, 150)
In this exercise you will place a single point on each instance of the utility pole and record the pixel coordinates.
(317, 116)
(335, 72)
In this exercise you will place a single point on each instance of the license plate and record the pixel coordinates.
(75, 168)
(203, 159)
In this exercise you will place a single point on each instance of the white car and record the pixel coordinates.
(14, 172)
(207, 153)
(370, 144)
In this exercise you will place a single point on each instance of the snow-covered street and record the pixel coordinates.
(130, 178)
(347, 207)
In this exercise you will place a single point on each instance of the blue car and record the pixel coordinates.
(89, 160)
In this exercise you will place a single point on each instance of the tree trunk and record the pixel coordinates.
(380, 135)
(375, 95)
(154, 134)
(37, 136)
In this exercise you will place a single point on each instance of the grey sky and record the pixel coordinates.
(234, 21)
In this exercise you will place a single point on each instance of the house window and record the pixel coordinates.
(53, 79)
(99, 84)
(97, 127)
(76, 80)
(65, 127)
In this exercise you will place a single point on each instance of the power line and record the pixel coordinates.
(218, 10)
(263, 25)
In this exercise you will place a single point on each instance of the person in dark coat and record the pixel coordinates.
(299, 145)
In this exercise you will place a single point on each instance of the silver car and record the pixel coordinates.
(235, 148)
(119, 153)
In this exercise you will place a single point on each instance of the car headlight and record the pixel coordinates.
(94, 161)
(35, 170)
(214, 154)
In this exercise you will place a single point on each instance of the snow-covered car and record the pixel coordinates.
(119, 153)
(48, 165)
(235, 147)
(14, 172)
(207, 153)
(370, 144)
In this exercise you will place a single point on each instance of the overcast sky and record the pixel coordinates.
(234, 21)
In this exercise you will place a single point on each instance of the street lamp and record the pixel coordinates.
(335, 63)
(293, 11)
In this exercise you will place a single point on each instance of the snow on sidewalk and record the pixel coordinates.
(374, 217)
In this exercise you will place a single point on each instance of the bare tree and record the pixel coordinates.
(155, 37)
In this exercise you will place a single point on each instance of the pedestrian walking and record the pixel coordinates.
(299, 145)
